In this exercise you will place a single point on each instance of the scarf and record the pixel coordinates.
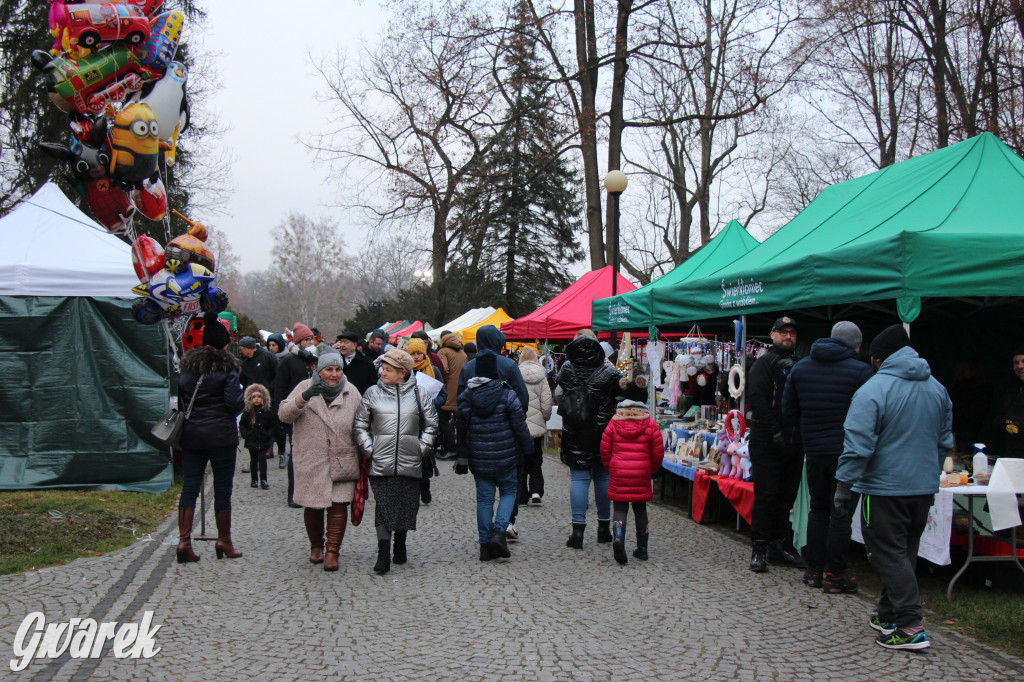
(425, 367)
(329, 392)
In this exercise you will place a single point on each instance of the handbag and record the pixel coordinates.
(362, 491)
(168, 430)
(344, 464)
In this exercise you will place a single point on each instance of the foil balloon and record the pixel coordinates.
(147, 257)
(166, 97)
(87, 85)
(151, 199)
(189, 248)
(158, 52)
(173, 294)
(134, 144)
(109, 204)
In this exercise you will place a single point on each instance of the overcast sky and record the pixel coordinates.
(267, 100)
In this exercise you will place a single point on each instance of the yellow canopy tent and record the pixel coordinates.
(497, 318)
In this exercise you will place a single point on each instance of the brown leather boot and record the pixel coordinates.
(223, 545)
(185, 518)
(314, 519)
(337, 520)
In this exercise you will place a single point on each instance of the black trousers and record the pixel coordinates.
(776, 472)
(828, 529)
(892, 528)
(531, 475)
(193, 465)
(258, 464)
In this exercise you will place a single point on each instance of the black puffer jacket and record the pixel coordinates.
(218, 400)
(765, 384)
(585, 367)
(818, 394)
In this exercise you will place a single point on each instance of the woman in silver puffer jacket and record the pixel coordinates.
(396, 429)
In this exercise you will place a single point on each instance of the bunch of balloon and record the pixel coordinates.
(112, 69)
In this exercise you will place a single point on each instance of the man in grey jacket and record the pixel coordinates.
(897, 432)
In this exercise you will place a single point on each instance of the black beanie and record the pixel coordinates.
(214, 332)
(487, 365)
(888, 341)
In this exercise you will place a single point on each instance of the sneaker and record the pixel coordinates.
(254, 484)
(839, 583)
(880, 625)
(511, 533)
(812, 578)
(246, 469)
(265, 485)
(535, 499)
(898, 639)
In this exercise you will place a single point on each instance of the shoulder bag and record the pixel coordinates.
(168, 429)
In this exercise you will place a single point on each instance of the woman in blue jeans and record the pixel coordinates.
(589, 389)
(210, 434)
(492, 426)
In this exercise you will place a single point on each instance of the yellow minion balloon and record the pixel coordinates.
(134, 144)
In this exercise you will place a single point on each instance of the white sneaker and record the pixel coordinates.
(511, 533)
(535, 498)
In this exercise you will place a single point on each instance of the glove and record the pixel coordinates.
(843, 500)
(461, 467)
(316, 388)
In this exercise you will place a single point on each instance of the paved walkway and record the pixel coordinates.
(549, 613)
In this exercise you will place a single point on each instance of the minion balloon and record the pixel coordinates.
(134, 141)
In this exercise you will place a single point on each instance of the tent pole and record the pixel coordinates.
(741, 356)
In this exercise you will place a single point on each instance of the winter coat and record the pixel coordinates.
(765, 384)
(539, 411)
(359, 371)
(441, 374)
(1010, 420)
(490, 421)
(261, 368)
(453, 359)
(585, 369)
(218, 400)
(898, 430)
(320, 430)
(257, 425)
(290, 371)
(818, 394)
(390, 431)
(631, 450)
(490, 340)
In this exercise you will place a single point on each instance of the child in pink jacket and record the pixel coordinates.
(631, 450)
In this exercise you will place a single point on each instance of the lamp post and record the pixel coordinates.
(615, 182)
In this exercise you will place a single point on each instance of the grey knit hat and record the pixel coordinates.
(329, 360)
(848, 333)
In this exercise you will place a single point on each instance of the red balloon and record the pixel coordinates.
(147, 257)
(110, 204)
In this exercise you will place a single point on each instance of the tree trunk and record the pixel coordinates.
(587, 62)
(938, 10)
(439, 257)
(615, 110)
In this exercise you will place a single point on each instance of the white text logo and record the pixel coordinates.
(82, 638)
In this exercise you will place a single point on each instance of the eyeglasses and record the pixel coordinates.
(786, 332)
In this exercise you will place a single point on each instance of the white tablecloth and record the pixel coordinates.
(935, 539)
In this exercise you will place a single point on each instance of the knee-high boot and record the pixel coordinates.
(337, 520)
(223, 546)
(314, 519)
(185, 518)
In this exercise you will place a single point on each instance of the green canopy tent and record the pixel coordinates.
(944, 224)
(634, 309)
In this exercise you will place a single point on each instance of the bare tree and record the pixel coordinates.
(386, 267)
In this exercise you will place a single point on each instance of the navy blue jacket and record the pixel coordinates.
(491, 423)
(218, 400)
(818, 394)
(490, 340)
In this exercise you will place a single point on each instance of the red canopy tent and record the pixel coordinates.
(569, 311)
(394, 326)
(406, 331)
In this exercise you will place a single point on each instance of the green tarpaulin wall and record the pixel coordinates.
(945, 224)
(635, 309)
(82, 384)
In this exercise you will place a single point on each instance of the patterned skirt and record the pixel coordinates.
(397, 501)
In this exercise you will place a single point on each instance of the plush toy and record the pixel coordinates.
(744, 452)
(134, 144)
(172, 294)
(725, 456)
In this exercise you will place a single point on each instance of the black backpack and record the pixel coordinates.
(577, 408)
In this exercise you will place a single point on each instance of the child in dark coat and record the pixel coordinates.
(258, 428)
(631, 451)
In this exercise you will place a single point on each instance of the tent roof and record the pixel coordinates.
(633, 310)
(497, 318)
(53, 249)
(408, 330)
(467, 318)
(394, 326)
(569, 311)
(946, 223)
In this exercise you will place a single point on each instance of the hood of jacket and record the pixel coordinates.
(484, 395)
(490, 338)
(453, 341)
(207, 360)
(257, 388)
(585, 352)
(831, 350)
(906, 364)
(533, 372)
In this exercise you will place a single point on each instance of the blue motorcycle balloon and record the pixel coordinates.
(188, 291)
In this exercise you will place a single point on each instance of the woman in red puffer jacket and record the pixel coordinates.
(631, 450)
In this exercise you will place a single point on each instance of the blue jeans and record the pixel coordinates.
(579, 493)
(486, 520)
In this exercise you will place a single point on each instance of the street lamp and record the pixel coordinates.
(615, 182)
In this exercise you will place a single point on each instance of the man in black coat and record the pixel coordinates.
(775, 454)
(293, 368)
(817, 397)
(359, 370)
(259, 366)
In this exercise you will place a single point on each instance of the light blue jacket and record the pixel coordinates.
(898, 430)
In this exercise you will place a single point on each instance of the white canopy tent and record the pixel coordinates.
(467, 319)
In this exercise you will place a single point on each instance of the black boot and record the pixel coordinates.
(619, 541)
(399, 556)
(575, 540)
(499, 545)
(604, 531)
(782, 553)
(383, 564)
(641, 545)
(758, 558)
(485, 552)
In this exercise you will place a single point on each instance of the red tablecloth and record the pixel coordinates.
(739, 493)
(701, 485)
